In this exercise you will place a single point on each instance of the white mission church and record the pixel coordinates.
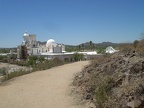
(50, 49)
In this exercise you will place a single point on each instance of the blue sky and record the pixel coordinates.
(71, 21)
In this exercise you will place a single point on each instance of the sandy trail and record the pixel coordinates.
(43, 89)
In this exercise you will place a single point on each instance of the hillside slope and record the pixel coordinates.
(113, 81)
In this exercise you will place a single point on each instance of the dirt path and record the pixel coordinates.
(43, 89)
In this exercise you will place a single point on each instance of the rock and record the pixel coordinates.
(91, 105)
(143, 66)
(134, 104)
(88, 96)
(121, 78)
(136, 68)
(137, 104)
(141, 105)
(130, 104)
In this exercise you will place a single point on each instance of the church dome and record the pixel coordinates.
(50, 42)
(26, 34)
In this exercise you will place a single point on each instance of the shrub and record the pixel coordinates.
(140, 48)
(78, 57)
(41, 59)
(33, 58)
(135, 43)
(16, 74)
(48, 64)
(101, 50)
(3, 71)
(102, 90)
(57, 61)
(35, 66)
(126, 47)
(31, 62)
(22, 63)
(4, 59)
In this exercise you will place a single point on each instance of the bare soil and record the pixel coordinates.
(42, 89)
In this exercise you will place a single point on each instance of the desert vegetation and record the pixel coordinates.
(6, 50)
(114, 81)
(34, 63)
(77, 57)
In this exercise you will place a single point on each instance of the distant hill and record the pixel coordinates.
(87, 44)
(103, 44)
(106, 44)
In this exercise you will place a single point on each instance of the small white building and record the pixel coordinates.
(110, 50)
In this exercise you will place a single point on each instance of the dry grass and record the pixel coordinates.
(112, 81)
(35, 67)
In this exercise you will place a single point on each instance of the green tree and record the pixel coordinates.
(79, 47)
(32, 60)
(90, 43)
(41, 59)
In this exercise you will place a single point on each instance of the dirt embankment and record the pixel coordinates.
(42, 89)
(115, 81)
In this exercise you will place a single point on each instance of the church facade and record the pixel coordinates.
(30, 46)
